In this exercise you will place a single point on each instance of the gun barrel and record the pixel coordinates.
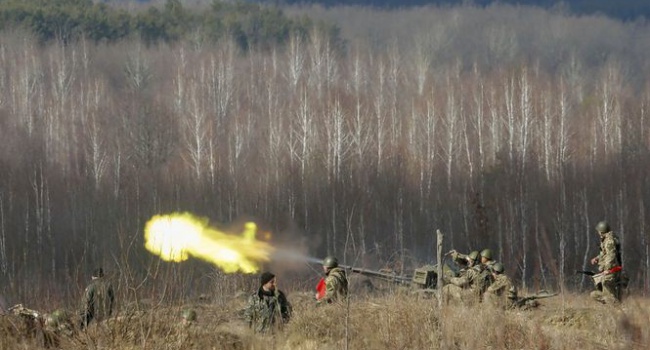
(377, 274)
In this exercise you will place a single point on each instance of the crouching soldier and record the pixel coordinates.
(502, 293)
(57, 324)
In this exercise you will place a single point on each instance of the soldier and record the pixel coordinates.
(608, 281)
(486, 258)
(336, 282)
(189, 316)
(56, 324)
(98, 299)
(267, 307)
(465, 287)
(501, 293)
(464, 261)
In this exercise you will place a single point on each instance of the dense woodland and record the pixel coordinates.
(509, 128)
(625, 10)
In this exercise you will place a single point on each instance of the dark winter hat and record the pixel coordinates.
(266, 277)
(99, 272)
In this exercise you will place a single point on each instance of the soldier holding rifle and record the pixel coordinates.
(608, 281)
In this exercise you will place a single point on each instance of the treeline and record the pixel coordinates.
(625, 10)
(248, 24)
(362, 152)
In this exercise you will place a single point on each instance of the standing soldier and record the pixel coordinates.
(98, 299)
(501, 293)
(268, 306)
(608, 280)
(335, 281)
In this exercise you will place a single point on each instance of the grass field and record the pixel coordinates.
(389, 320)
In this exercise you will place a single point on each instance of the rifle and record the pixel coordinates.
(586, 272)
(19, 309)
(600, 274)
(542, 295)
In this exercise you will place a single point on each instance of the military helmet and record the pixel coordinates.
(189, 315)
(52, 320)
(330, 262)
(59, 313)
(602, 227)
(473, 255)
(486, 253)
(497, 267)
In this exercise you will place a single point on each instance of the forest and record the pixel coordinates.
(511, 128)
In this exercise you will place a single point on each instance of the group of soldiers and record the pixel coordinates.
(96, 304)
(480, 279)
(268, 309)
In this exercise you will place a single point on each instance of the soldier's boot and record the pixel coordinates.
(611, 292)
(598, 296)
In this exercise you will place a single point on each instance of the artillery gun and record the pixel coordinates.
(424, 278)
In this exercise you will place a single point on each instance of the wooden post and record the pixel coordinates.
(439, 255)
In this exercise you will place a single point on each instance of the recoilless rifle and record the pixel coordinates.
(423, 278)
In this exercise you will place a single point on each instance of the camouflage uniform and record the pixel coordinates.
(608, 287)
(336, 286)
(467, 287)
(98, 300)
(502, 293)
(459, 259)
(57, 324)
(266, 310)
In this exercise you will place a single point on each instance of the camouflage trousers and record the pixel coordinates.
(608, 289)
(498, 301)
(453, 294)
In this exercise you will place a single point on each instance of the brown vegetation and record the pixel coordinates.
(361, 152)
(395, 320)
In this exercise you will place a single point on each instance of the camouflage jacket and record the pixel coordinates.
(266, 310)
(502, 291)
(98, 300)
(610, 252)
(459, 259)
(336, 285)
(473, 278)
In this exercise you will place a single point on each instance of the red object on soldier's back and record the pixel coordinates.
(320, 289)
(616, 269)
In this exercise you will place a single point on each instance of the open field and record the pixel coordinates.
(395, 320)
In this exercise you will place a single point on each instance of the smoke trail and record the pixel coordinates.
(280, 254)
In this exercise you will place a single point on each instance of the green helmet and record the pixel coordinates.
(60, 314)
(486, 253)
(51, 321)
(330, 262)
(602, 227)
(189, 315)
(474, 255)
(497, 267)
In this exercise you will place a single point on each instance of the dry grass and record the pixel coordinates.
(395, 320)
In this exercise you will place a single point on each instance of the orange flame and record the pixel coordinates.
(176, 237)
